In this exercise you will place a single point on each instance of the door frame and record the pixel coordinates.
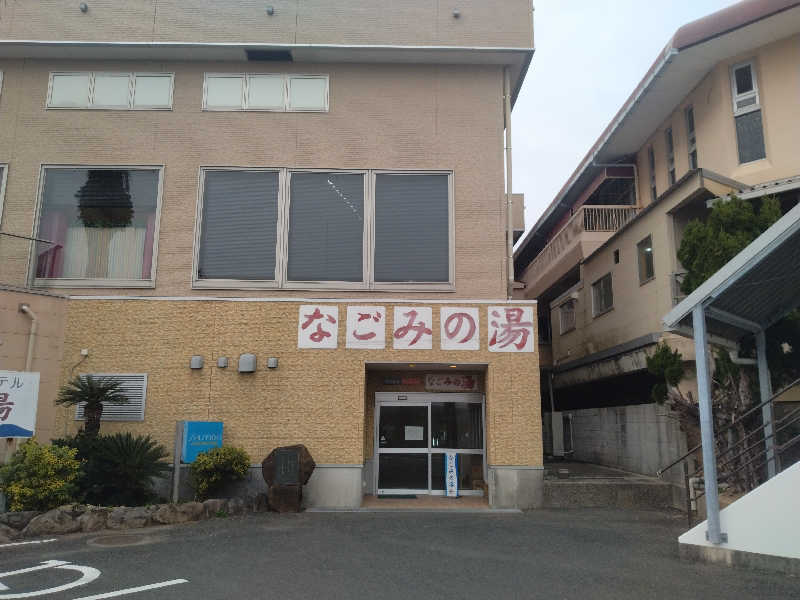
(424, 399)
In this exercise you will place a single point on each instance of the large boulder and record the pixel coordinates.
(288, 465)
(7, 534)
(18, 520)
(124, 517)
(94, 519)
(56, 521)
(236, 506)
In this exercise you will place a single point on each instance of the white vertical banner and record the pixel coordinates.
(366, 327)
(318, 326)
(19, 399)
(451, 474)
(460, 328)
(413, 328)
(510, 329)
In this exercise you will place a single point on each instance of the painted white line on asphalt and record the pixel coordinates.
(134, 590)
(88, 575)
(26, 543)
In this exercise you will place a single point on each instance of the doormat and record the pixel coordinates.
(397, 496)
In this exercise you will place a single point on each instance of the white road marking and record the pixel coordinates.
(26, 543)
(134, 590)
(88, 574)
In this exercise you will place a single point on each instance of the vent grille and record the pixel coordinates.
(134, 385)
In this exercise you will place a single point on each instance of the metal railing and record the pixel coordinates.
(745, 461)
(586, 218)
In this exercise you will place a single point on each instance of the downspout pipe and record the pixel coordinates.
(26, 310)
(509, 173)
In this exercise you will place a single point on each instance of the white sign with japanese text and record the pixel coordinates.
(318, 326)
(460, 328)
(413, 328)
(451, 474)
(510, 329)
(19, 397)
(366, 327)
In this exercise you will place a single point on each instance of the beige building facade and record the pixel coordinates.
(219, 192)
(714, 116)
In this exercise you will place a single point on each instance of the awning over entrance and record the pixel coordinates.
(754, 290)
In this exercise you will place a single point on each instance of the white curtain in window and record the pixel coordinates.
(116, 252)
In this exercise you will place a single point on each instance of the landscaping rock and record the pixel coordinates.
(94, 519)
(18, 520)
(7, 534)
(55, 521)
(261, 502)
(129, 518)
(236, 506)
(74, 510)
(215, 507)
(168, 514)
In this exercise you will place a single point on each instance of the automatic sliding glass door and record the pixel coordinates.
(403, 443)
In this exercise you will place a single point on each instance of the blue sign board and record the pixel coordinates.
(200, 436)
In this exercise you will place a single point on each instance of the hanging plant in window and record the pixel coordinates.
(105, 199)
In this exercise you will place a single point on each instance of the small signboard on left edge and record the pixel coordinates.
(200, 436)
(19, 396)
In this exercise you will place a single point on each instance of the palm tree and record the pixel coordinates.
(94, 391)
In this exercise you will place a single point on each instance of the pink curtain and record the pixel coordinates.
(147, 258)
(50, 260)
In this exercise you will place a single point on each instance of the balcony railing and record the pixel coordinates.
(586, 218)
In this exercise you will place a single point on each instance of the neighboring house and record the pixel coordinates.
(288, 218)
(715, 115)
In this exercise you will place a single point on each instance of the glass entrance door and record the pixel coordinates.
(403, 448)
(413, 436)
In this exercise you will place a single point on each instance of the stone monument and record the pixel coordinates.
(286, 470)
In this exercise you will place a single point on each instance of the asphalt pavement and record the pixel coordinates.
(548, 554)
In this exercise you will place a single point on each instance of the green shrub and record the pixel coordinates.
(117, 469)
(40, 477)
(213, 470)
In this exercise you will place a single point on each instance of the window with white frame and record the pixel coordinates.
(266, 92)
(1, 84)
(566, 312)
(340, 229)
(3, 176)
(670, 143)
(133, 385)
(691, 137)
(747, 113)
(651, 163)
(98, 226)
(602, 295)
(644, 251)
(111, 91)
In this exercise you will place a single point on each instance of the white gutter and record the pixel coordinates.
(26, 310)
(509, 174)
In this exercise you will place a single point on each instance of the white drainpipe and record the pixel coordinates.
(26, 310)
(509, 211)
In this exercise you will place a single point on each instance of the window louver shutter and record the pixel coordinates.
(135, 386)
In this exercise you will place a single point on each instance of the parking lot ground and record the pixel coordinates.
(552, 554)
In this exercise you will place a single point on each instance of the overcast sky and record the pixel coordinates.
(590, 55)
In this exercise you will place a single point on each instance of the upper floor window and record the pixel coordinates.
(670, 155)
(307, 229)
(602, 295)
(644, 251)
(747, 113)
(691, 137)
(265, 92)
(1, 83)
(3, 174)
(566, 312)
(110, 91)
(651, 163)
(100, 225)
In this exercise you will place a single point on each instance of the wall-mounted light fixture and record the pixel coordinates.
(222, 362)
(272, 363)
(196, 362)
(456, 13)
(270, 10)
(84, 7)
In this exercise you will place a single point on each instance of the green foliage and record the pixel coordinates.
(731, 226)
(118, 469)
(666, 364)
(40, 477)
(214, 469)
(94, 391)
